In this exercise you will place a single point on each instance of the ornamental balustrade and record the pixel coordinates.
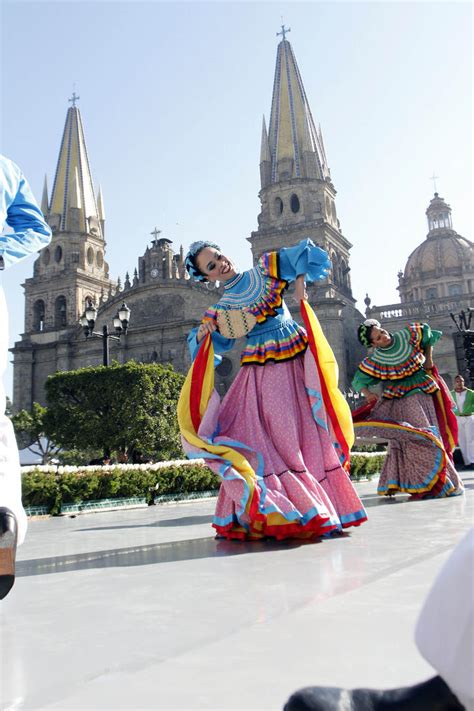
(421, 309)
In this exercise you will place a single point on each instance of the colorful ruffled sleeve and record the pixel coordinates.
(290, 262)
(429, 336)
(221, 344)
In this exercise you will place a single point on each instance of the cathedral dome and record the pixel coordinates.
(443, 265)
(447, 252)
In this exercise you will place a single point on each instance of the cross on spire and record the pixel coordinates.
(155, 234)
(434, 178)
(283, 32)
(74, 98)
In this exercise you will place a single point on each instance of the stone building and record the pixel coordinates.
(438, 280)
(298, 200)
(72, 271)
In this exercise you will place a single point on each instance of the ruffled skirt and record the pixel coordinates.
(415, 464)
(301, 490)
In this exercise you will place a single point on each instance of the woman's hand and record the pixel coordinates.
(300, 288)
(369, 396)
(204, 329)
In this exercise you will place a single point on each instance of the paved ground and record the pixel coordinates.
(143, 609)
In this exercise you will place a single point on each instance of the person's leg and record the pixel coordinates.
(13, 521)
(431, 695)
(445, 628)
(445, 637)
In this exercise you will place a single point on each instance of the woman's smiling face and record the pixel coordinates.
(214, 265)
(379, 337)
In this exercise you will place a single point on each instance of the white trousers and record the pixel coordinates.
(10, 473)
(466, 438)
(445, 629)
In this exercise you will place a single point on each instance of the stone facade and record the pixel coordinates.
(437, 281)
(298, 201)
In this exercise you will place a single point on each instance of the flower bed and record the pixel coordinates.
(51, 489)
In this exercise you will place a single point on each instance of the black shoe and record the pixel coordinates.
(8, 539)
(431, 695)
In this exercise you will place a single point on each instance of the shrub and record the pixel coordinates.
(365, 466)
(51, 487)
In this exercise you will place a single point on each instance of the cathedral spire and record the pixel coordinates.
(45, 199)
(100, 204)
(265, 148)
(295, 145)
(75, 193)
(101, 210)
(73, 185)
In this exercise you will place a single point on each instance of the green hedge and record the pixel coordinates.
(51, 490)
(365, 467)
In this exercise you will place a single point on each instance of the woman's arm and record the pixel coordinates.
(30, 232)
(220, 343)
(361, 382)
(300, 288)
(428, 364)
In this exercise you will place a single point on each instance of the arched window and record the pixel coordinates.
(431, 293)
(327, 204)
(295, 203)
(60, 312)
(344, 273)
(39, 315)
(278, 206)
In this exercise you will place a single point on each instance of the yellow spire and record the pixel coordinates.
(75, 193)
(296, 147)
(264, 148)
(44, 199)
(73, 181)
(100, 205)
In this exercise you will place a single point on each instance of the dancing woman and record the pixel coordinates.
(281, 436)
(414, 413)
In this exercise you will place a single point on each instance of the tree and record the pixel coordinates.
(120, 408)
(31, 433)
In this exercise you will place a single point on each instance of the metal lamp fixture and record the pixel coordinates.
(121, 321)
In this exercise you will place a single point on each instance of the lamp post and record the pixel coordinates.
(121, 321)
(464, 342)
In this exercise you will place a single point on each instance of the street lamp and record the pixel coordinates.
(121, 321)
(464, 342)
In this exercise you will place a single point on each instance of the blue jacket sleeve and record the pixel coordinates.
(19, 210)
(303, 259)
(221, 345)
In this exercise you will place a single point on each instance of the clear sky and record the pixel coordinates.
(172, 97)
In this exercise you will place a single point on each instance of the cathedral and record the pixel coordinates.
(438, 280)
(298, 200)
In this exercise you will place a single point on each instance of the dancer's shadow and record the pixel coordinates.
(167, 522)
(174, 551)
